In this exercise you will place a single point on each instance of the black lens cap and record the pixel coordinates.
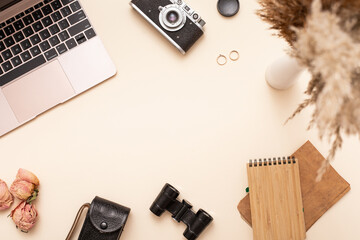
(228, 8)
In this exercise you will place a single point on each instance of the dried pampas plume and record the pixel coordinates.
(324, 37)
(284, 15)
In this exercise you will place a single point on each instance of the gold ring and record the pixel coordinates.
(232, 53)
(218, 60)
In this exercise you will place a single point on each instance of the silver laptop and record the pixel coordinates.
(49, 53)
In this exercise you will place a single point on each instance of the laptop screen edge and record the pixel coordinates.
(7, 3)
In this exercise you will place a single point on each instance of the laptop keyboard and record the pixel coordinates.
(41, 34)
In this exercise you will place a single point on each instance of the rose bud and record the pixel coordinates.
(24, 185)
(24, 216)
(6, 198)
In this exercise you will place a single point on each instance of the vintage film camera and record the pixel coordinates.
(174, 19)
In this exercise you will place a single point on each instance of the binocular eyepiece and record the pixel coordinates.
(181, 212)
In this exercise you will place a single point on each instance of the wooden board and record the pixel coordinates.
(275, 200)
(317, 197)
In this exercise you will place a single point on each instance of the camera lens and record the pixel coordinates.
(172, 17)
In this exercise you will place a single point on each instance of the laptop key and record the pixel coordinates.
(7, 66)
(19, 36)
(28, 20)
(1, 60)
(56, 16)
(54, 29)
(28, 31)
(20, 15)
(1, 71)
(63, 24)
(71, 43)
(80, 38)
(45, 34)
(25, 56)
(9, 21)
(9, 41)
(16, 61)
(44, 46)
(47, 10)
(35, 51)
(90, 33)
(37, 15)
(37, 26)
(39, 5)
(56, 5)
(66, 11)
(47, 1)
(75, 6)
(35, 39)
(80, 27)
(9, 30)
(54, 41)
(22, 69)
(51, 54)
(47, 21)
(77, 17)
(18, 25)
(2, 46)
(16, 49)
(66, 2)
(61, 48)
(2, 34)
(63, 36)
(6, 54)
(29, 10)
(25, 44)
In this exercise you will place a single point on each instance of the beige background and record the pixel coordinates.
(170, 118)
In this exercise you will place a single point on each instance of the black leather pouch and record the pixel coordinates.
(105, 220)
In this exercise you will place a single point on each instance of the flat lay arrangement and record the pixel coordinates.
(127, 110)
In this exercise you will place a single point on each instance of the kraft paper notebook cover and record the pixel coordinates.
(275, 199)
(317, 198)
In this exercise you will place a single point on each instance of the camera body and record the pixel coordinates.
(174, 19)
(181, 212)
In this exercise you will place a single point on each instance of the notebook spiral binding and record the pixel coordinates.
(272, 161)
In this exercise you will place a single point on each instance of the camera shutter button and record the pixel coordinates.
(195, 16)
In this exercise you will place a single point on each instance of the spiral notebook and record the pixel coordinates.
(275, 199)
(318, 198)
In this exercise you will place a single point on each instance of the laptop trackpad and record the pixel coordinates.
(38, 91)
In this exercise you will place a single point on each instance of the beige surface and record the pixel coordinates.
(275, 199)
(171, 118)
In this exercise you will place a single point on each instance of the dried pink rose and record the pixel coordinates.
(24, 185)
(24, 216)
(6, 198)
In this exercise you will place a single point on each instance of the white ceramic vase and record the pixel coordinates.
(283, 73)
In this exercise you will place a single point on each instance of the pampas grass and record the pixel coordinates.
(325, 37)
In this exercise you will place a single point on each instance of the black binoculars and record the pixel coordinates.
(181, 212)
